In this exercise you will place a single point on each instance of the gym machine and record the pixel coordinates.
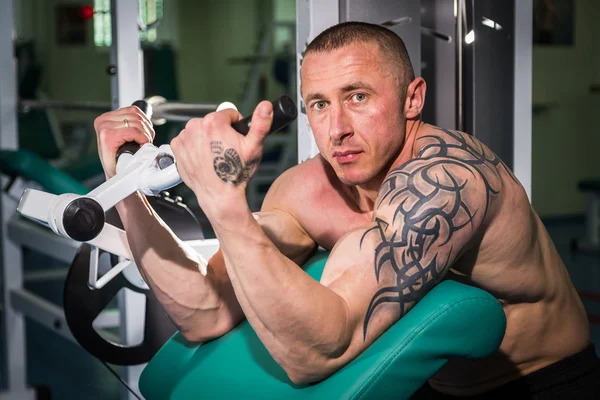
(150, 170)
(18, 303)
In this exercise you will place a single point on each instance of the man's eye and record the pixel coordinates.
(360, 97)
(319, 105)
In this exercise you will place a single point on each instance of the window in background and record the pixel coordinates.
(102, 23)
(150, 12)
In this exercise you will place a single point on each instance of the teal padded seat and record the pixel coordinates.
(32, 167)
(453, 320)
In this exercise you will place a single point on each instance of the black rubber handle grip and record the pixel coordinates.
(133, 147)
(284, 112)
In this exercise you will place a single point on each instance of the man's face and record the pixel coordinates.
(354, 109)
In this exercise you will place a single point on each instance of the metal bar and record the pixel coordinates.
(459, 7)
(522, 143)
(127, 86)
(40, 239)
(424, 30)
(108, 319)
(169, 111)
(52, 316)
(183, 108)
(27, 394)
(42, 311)
(26, 105)
(170, 107)
(46, 275)
(435, 34)
(14, 366)
(132, 320)
(312, 17)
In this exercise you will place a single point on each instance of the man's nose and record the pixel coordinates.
(339, 126)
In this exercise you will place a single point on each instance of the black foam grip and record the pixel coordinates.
(144, 106)
(128, 148)
(284, 112)
(133, 147)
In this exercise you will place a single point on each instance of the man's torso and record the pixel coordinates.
(513, 258)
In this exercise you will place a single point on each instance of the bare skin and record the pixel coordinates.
(516, 262)
(444, 204)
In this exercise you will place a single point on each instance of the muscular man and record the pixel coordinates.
(400, 203)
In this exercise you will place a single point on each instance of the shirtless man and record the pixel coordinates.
(449, 205)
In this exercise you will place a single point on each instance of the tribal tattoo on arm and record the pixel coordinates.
(426, 213)
(228, 165)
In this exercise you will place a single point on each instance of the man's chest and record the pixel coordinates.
(327, 223)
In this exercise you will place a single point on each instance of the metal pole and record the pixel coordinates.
(92, 106)
(458, 13)
(126, 54)
(522, 142)
(169, 111)
(312, 17)
(127, 87)
(14, 366)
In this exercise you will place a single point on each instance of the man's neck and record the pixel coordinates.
(366, 194)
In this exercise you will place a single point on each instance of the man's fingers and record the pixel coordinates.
(136, 131)
(130, 113)
(127, 127)
(262, 119)
(232, 114)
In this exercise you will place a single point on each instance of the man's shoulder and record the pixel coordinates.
(300, 184)
(448, 165)
(435, 137)
(433, 141)
(309, 174)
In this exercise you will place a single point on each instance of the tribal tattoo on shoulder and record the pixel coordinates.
(229, 166)
(432, 204)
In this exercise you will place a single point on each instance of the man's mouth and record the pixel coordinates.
(347, 156)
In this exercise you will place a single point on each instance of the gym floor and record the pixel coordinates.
(71, 373)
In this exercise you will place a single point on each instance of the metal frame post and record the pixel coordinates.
(522, 142)
(14, 366)
(127, 86)
(312, 17)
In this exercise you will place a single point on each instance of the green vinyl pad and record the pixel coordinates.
(452, 320)
(34, 168)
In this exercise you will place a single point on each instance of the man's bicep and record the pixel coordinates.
(278, 218)
(287, 234)
(426, 215)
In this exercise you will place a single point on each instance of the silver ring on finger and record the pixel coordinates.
(126, 122)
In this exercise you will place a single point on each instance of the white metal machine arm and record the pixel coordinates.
(149, 170)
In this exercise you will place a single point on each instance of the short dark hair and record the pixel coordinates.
(346, 33)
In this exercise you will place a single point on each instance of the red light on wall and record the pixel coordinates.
(87, 12)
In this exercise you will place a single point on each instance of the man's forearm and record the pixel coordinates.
(202, 307)
(302, 323)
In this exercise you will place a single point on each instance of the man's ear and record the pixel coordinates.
(415, 98)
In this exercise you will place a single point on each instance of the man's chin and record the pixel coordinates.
(353, 180)
(352, 175)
